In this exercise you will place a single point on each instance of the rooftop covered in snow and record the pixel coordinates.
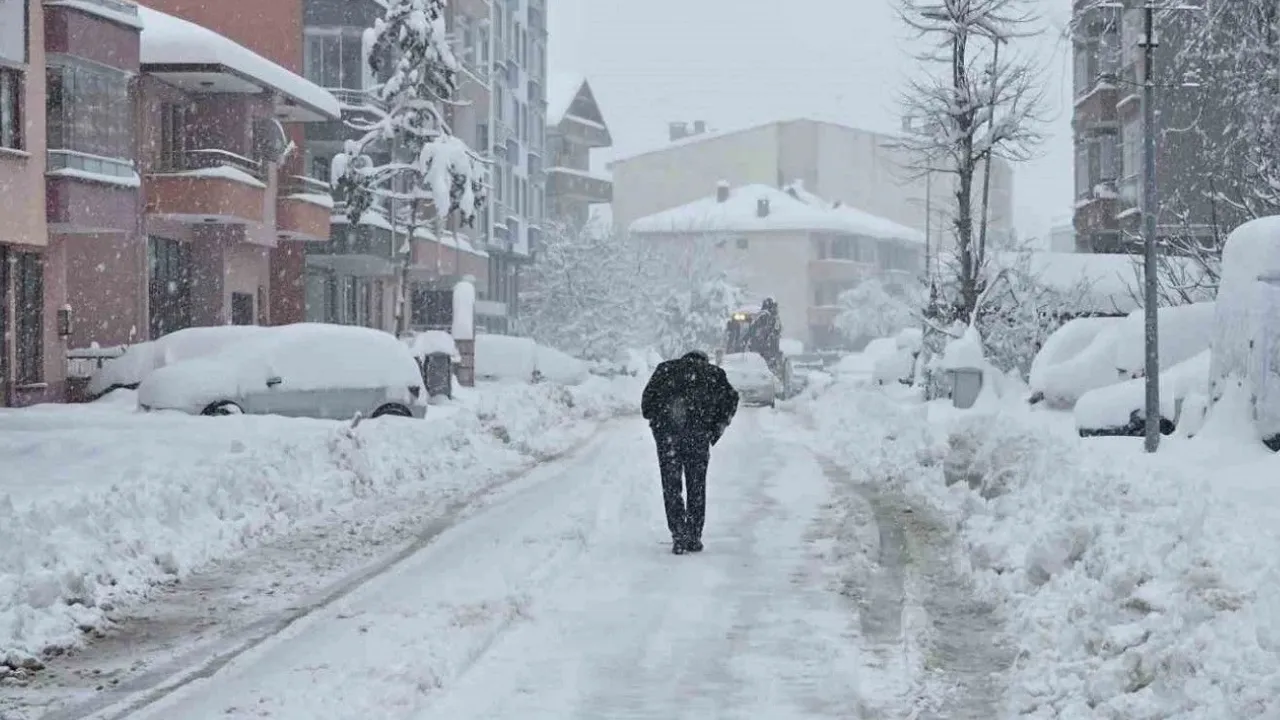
(761, 208)
(197, 59)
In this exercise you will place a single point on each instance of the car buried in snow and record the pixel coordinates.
(750, 375)
(308, 370)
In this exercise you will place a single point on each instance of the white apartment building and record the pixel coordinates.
(791, 245)
(857, 167)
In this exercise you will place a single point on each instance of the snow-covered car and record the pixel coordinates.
(510, 359)
(141, 359)
(751, 377)
(1121, 409)
(303, 370)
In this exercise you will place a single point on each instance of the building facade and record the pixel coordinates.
(859, 168)
(575, 126)
(1107, 129)
(793, 246)
(500, 112)
(146, 181)
(32, 275)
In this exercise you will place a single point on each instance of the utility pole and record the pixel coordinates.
(1149, 211)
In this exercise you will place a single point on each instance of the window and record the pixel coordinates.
(173, 132)
(321, 167)
(1108, 157)
(10, 108)
(1131, 150)
(90, 112)
(353, 303)
(28, 287)
(334, 59)
(169, 286)
(1082, 170)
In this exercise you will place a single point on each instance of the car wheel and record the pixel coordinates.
(392, 410)
(222, 408)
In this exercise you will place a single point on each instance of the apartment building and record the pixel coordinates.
(791, 245)
(146, 182)
(1107, 130)
(32, 287)
(501, 112)
(575, 126)
(859, 168)
(518, 118)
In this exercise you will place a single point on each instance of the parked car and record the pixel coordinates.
(303, 370)
(1120, 410)
(750, 375)
(137, 361)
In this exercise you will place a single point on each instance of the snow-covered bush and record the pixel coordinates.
(869, 310)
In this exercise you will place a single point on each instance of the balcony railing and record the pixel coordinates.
(302, 185)
(208, 159)
(350, 100)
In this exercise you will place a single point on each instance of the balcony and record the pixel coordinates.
(208, 185)
(838, 270)
(303, 208)
(118, 8)
(570, 183)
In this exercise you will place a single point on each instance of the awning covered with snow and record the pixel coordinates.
(197, 59)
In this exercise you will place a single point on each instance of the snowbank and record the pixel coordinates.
(1134, 586)
(127, 500)
(507, 358)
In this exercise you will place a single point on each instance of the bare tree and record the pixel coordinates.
(977, 98)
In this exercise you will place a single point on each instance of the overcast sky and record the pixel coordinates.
(736, 63)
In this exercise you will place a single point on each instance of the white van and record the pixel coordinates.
(1246, 325)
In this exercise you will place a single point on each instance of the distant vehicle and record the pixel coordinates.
(304, 370)
(751, 377)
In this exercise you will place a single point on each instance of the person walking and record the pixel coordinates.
(689, 403)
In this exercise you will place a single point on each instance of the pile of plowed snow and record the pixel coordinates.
(100, 502)
(1135, 586)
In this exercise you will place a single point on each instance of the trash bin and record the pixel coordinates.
(966, 384)
(437, 374)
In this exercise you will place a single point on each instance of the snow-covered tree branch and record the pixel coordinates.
(870, 311)
(977, 99)
(423, 162)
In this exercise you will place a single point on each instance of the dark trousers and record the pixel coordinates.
(684, 458)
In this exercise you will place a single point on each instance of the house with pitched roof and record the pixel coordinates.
(575, 126)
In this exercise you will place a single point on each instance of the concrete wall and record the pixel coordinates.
(689, 170)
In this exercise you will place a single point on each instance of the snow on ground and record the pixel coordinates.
(1134, 586)
(561, 599)
(99, 502)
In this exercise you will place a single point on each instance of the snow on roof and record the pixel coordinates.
(562, 88)
(875, 225)
(168, 40)
(739, 213)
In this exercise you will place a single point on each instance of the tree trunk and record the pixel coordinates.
(403, 323)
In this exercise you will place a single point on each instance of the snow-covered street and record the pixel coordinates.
(561, 599)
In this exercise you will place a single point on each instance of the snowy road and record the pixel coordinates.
(561, 600)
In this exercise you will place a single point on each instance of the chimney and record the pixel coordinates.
(762, 207)
(699, 127)
(722, 191)
(791, 190)
(677, 130)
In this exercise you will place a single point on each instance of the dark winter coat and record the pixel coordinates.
(689, 397)
(766, 335)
